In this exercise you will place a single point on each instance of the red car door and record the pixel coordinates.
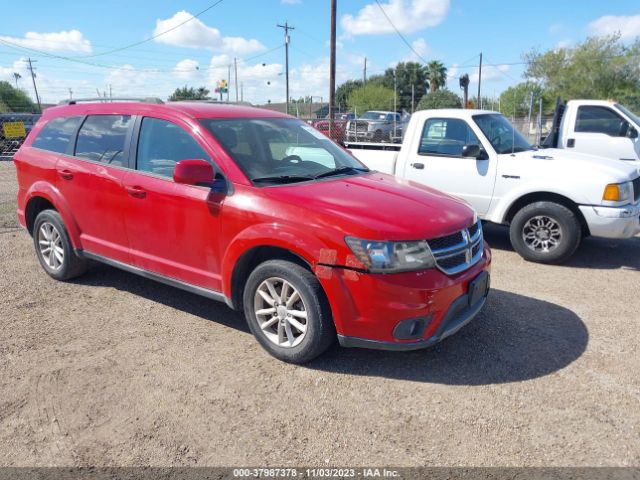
(90, 180)
(173, 229)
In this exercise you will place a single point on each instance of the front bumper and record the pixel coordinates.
(612, 222)
(369, 308)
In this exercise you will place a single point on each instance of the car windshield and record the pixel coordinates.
(628, 113)
(281, 150)
(501, 134)
(373, 116)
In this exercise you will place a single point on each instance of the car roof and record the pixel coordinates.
(191, 109)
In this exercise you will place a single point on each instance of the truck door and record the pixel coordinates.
(437, 160)
(600, 130)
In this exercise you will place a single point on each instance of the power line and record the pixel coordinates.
(218, 2)
(399, 34)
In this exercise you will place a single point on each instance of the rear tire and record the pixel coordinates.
(288, 312)
(53, 248)
(545, 232)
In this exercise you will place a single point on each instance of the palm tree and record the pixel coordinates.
(436, 72)
(17, 77)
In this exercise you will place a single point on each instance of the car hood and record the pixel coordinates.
(376, 206)
(564, 161)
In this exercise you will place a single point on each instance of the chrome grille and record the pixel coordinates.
(459, 251)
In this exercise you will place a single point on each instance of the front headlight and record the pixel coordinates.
(392, 257)
(618, 192)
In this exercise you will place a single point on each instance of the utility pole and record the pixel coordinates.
(364, 73)
(464, 86)
(413, 98)
(110, 93)
(33, 78)
(235, 67)
(241, 92)
(480, 82)
(286, 28)
(332, 67)
(70, 94)
(228, 81)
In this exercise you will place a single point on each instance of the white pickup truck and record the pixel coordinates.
(596, 127)
(550, 198)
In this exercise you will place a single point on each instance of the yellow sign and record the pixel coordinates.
(14, 130)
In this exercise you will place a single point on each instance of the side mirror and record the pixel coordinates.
(193, 172)
(471, 151)
(632, 132)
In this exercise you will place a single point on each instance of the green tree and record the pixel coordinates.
(189, 93)
(409, 75)
(370, 97)
(344, 90)
(515, 100)
(15, 100)
(598, 68)
(436, 74)
(440, 99)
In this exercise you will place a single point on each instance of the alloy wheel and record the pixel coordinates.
(50, 246)
(542, 233)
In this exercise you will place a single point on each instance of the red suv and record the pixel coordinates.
(258, 210)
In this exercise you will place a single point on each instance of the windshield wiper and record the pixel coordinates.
(341, 170)
(283, 179)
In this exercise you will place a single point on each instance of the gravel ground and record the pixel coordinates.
(113, 369)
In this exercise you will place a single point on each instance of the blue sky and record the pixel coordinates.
(199, 52)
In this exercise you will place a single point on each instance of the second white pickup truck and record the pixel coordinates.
(550, 198)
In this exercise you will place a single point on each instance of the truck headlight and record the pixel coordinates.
(618, 192)
(392, 257)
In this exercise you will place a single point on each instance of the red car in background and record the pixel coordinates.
(255, 209)
(339, 124)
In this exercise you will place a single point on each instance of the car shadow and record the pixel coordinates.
(595, 253)
(105, 276)
(514, 338)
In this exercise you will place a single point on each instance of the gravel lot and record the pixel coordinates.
(113, 369)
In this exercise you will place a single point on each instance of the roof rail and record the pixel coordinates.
(214, 101)
(110, 100)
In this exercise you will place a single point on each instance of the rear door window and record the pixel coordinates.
(162, 144)
(103, 138)
(56, 134)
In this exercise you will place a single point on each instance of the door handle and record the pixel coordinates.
(419, 166)
(65, 174)
(571, 142)
(136, 192)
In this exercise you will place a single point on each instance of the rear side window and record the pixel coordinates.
(56, 134)
(162, 144)
(599, 120)
(102, 138)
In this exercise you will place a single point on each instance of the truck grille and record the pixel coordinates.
(636, 189)
(459, 251)
(359, 127)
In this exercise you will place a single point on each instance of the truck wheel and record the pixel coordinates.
(53, 248)
(288, 312)
(545, 232)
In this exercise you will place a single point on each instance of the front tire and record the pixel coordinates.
(545, 232)
(287, 311)
(53, 248)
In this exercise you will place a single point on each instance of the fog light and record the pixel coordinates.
(411, 328)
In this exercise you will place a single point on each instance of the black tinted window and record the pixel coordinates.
(162, 144)
(56, 134)
(599, 120)
(102, 138)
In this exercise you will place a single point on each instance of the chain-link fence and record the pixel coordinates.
(14, 127)
(8, 192)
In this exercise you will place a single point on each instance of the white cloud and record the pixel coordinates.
(491, 73)
(195, 34)
(290, 2)
(187, 69)
(65, 41)
(563, 44)
(420, 46)
(407, 15)
(628, 26)
(555, 28)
